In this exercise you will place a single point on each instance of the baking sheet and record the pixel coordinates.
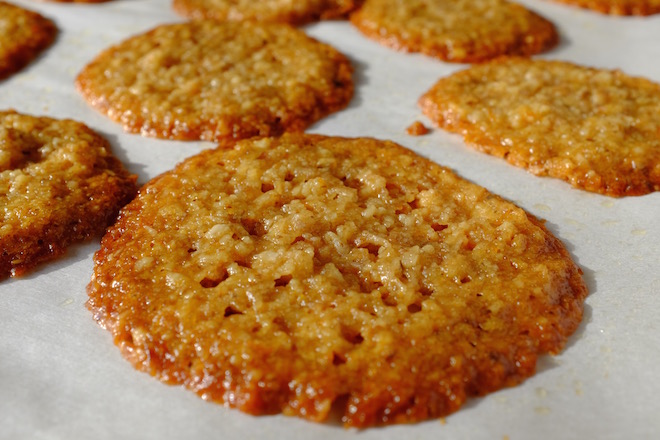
(61, 377)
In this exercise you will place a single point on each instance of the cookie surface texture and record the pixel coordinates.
(285, 274)
(618, 7)
(288, 11)
(59, 184)
(216, 81)
(456, 30)
(23, 35)
(596, 129)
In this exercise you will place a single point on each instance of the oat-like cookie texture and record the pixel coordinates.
(288, 11)
(23, 35)
(285, 274)
(456, 30)
(215, 81)
(596, 129)
(59, 184)
(618, 7)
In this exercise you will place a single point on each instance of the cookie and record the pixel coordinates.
(290, 274)
(215, 81)
(596, 129)
(288, 11)
(23, 35)
(618, 7)
(59, 184)
(456, 30)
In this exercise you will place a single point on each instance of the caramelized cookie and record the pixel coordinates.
(596, 129)
(286, 274)
(456, 30)
(216, 81)
(59, 184)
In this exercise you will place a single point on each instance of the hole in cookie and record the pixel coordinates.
(414, 204)
(230, 310)
(338, 359)
(267, 186)
(283, 281)
(372, 248)
(466, 279)
(242, 262)
(388, 300)
(209, 282)
(281, 324)
(351, 183)
(299, 238)
(289, 176)
(368, 285)
(393, 189)
(192, 250)
(351, 335)
(253, 227)
(437, 227)
(414, 308)
(425, 291)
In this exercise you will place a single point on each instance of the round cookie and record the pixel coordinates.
(618, 7)
(23, 35)
(59, 184)
(596, 129)
(289, 11)
(287, 274)
(456, 30)
(215, 80)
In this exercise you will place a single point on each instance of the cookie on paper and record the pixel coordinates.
(216, 81)
(288, 11)
(59, 184)
(287, 274)
(462, 31)
(24, 34)
(596, 129)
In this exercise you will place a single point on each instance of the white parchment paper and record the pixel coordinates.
(62, 378)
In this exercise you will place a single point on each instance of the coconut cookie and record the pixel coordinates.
(59, 184)
(618, 7)
(456, 30)
(214, 81)
(23, 35)
(596, 129)
(285, 274)
(289, 11)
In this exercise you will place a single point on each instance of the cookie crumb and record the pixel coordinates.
(417, 129)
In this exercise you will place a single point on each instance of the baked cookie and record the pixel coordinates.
(285, 274)
(618, 7)
(456, 30)
(596, 129)
(59, 184)
(215, 80)
(23, 35)
(288, 11)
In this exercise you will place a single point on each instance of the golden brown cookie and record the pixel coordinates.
(213, 81)
(596, 129)
(285, 274)
(618, 7)
(456, 30)
(59, 184)
(288, 11)
(23, 35)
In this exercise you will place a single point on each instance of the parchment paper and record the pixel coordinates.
(62, 378)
